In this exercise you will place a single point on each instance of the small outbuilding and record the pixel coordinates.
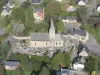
(12, 65)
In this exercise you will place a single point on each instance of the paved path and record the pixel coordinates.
(93, 46)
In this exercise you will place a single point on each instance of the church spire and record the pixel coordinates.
(52, 25)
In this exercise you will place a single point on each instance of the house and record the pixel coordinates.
(83, 51)
(12, 65)
(6, 11)
(38, 14)
(69, 19)
(36, 2)
(82, 2)
(78, 63)
(71, 9)
(64, 72)
(80, 35)
(59, 0)
(10, 4)
(98, 8)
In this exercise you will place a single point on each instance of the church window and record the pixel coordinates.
(46, 43)
(56, 43)
(35, 43)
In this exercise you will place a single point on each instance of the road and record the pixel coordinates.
(93, 46)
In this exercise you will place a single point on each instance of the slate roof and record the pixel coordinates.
(36, 1)
(82, 0)
(40, 37)
(44, 37)
(38, 10)
(64, 72)
(12, 63)
(7, 9)
(78, 32)
(11, 2)
(69, 17)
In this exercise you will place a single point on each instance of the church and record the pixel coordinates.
(47, 40)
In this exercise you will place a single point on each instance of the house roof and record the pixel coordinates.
(37, 10)
(36, 1)
(64, 72)
(78, 32)
(11, 2)
(70, 18)
(82, 0)
(12, 63)
(7, 9)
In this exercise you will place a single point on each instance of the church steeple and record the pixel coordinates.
(52, 25)
(52, 31)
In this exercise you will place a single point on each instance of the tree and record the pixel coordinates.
(4, 21)
(8, 28)
(57, 60)
(82, 14)
(26, 4)
(53, 9)
(44, 71)
(68, 59)
(18, 29)
(18, 14)
(60, 25)
(91, 64)
(93, 73)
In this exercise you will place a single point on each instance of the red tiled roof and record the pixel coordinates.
(41, 14)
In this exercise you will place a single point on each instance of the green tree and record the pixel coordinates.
(60, 25)
(93, 73)
(68, 59)
(18, 14)
(82, 14)
(91, 64)
(18, 29)
(53, 9)
(26, 4)
(44, 71)
(4, 21)
(8, 28)
(57, 60)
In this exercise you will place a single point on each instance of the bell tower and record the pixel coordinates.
(52, 31)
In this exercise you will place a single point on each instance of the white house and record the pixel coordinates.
(71, 9)
(10, 4)
(78, 63)
(59, 0)
(69, 19)
(98, 8)
(80, 35)
(78, 66)
(82, 2)
(84, 53)
(12, 65)
(6, 11)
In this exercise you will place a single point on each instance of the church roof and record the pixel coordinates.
(44, 37)
(40, 37)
